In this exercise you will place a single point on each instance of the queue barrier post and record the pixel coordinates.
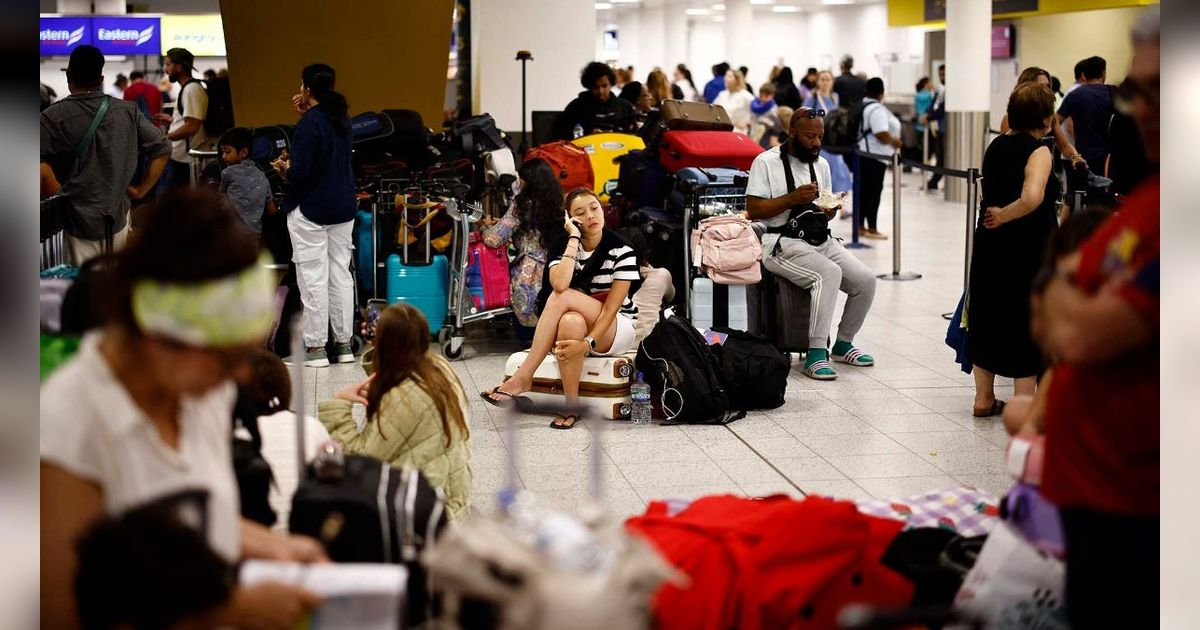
(925, 158)
(856, 204)
(896, 273)
(972, 212)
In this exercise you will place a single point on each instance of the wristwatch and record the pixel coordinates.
(591, 342)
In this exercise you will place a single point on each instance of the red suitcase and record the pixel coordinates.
(570, 163)
(492, 263)
(707, 149)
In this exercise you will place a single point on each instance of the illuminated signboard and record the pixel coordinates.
(127, 35)
(203, 35)
(60, 35)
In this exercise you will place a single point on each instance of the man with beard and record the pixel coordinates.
(785, 181)
(596, 109)
(187, 122)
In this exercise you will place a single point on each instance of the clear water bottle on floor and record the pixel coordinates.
(640, 393)
(577, 132)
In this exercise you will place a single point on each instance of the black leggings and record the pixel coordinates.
(871, 189)
(1112, 570)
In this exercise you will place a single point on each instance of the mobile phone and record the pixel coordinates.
(374, 308)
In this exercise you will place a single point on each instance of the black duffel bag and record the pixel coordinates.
(754, 371)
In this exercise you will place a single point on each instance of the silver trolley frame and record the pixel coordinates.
(462, 310)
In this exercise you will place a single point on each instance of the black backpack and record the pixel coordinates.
(219, 117)
(843, 126)
(683, 375)
(754, 371)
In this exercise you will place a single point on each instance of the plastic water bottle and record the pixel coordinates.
(560, 538)
(577, 132)
(640, 393)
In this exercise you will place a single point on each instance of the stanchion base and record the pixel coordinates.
(858, 245)
(903, 275)
(948, 316)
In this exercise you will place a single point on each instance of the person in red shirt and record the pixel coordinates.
(147, 97)
(1098, 317)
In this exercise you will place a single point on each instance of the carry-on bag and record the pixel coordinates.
(641, 181)
(681, 149)
(684, 376)
(712, 304)
(603, 385)
(571, 164)
(604, 149)
(475, 136)
(491, 265)
(392, 135)
(422, 282)
(676, 115)
(754, 371)
(363, 510)
(780, 311)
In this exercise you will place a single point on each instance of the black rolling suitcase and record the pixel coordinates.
(779, 311)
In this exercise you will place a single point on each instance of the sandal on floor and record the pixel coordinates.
(565, 418)
(856, 358)
(820, 370)
(487, 396)
(996, 409)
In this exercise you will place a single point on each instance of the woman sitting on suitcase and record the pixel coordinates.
(588, 302)
(416, 409)
(532, 223)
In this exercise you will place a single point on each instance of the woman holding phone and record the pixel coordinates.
(587, 306)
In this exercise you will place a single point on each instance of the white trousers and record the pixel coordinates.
(322, 257)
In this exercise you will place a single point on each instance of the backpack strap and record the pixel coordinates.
(863, 123)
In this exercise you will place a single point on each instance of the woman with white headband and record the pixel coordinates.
(141, 415)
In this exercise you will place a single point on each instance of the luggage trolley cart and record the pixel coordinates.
(461, 309)
(715, 192)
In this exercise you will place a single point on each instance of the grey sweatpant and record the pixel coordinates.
(823, 270)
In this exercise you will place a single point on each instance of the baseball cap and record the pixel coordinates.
(183, 57)
(86, 65)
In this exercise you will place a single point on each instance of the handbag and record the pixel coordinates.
(54, 210)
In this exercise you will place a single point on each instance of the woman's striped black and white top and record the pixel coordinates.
(617, 261)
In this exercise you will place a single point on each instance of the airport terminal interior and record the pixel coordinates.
(631, 314)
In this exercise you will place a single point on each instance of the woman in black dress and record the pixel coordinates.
(1018, 219)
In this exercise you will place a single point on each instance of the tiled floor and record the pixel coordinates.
(891, 430)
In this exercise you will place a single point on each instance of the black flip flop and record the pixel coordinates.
(572, 417)
(512, 398)
(996, 409)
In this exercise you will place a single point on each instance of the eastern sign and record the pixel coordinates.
(60, 35)
(127, 35)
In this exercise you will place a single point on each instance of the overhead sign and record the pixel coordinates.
(127, 35)
(203, 35)
(60, 35)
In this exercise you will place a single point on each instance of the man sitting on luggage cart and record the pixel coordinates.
(790, 192)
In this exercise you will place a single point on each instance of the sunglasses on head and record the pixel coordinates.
(813, 113)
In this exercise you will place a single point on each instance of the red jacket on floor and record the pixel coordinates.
(770, 563)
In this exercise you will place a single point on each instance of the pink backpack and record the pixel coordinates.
(726, 248)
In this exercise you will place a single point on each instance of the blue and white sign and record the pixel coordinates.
(60, 35)
(127, 35)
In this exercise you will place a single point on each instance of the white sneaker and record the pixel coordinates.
(317, 359)
(343, 353)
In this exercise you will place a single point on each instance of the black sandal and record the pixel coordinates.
(574, 418)
(996, 409)
(487, 396)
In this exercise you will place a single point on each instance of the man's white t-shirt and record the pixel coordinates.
(93, 429)
(194, 99)
(877, 118)
(768, 181)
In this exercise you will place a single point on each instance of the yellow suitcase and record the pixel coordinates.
(603, 148)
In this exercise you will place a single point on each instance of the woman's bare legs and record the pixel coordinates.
(985, 387)
(547, 333)
(1025, 386)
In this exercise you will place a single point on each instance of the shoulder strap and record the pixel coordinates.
(863, 124)
(86, 140)
(787, 169)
